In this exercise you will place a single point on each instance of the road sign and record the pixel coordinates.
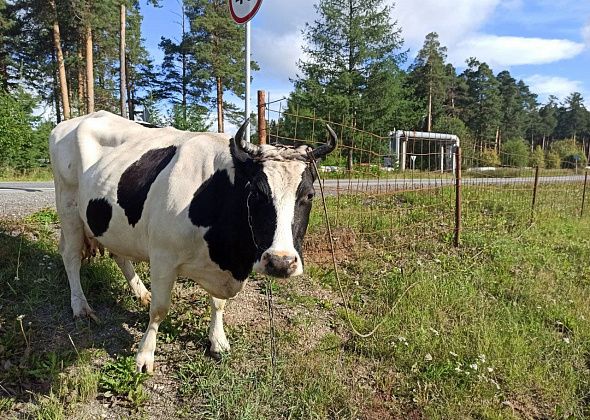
(243, 10)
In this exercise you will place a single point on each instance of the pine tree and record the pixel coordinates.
(353, 57)
(480, 102)
(430, 77)
(7, 27)
(349, 40)
(178, 85)
(548, 120)
(512, 118)
(141, 77)
(532, 119)
(219, 55)
(575, 117)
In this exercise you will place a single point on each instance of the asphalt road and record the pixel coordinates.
(17, 199)
(21, 198)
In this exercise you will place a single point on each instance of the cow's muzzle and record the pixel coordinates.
(280, 264)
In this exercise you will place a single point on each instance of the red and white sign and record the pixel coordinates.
(243, 10)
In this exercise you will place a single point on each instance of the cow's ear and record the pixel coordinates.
(242, 150)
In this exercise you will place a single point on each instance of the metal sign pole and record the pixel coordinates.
(241, 14)
(247, 64)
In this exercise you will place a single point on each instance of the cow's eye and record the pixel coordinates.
(310, 196)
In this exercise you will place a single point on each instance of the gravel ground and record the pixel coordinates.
(20, 199)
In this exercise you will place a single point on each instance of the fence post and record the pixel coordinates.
(535, 187)
(457, 196)
(261, 117)
(584, 194)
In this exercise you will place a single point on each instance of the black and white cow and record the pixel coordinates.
(193, 204)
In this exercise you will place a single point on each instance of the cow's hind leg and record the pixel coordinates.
(162, 282)
(71, 245)
(217, 336)
(137, 286)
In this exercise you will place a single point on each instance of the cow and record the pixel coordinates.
(199, 205)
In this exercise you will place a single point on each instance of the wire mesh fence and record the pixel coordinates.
(388, 192)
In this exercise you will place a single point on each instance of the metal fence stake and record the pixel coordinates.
(457, 197)
(584, 194)
(535, 187)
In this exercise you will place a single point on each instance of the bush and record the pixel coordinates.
(552, 160)
(489, 157)
(21, 146)
(15, 130)
(577, 160)
(537, 158)
(515, 153)
(569, 152)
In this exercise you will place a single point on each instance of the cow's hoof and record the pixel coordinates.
(217, 356)
(144, 362)
(218, 348)
(85, 312)
(146, 298)
(219, 345)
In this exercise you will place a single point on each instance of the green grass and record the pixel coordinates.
(497, 328)
(35, 174)
(120, 378)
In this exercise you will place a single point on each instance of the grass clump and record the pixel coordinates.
(119, 378)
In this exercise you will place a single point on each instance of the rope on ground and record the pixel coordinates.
(273, 350)
(335, 265)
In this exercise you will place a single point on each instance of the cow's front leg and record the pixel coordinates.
(217, 336)
(162, 283)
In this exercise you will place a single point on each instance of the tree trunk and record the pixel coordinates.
(130, 92)
(219, 106)
(63, 83)
(89, 70)
(80, 77)
(429, 128)
(4, 71)
(184, 62)
(56, 89)
(122, 73)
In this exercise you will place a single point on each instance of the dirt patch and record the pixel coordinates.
(317, 249)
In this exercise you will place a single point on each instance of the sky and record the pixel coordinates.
(546, 43)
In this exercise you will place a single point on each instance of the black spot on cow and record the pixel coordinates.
(303, 201)
(136, 181)
(241, 218)
(98, 215)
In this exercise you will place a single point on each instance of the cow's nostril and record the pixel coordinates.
(280, 265)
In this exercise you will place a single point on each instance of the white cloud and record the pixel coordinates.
(552, 85)
(504, 51)
(451, 19)
(277, 54)
(282, 17)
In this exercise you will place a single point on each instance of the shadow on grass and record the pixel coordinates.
(38, 336)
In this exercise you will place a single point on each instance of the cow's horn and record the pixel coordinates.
(321, 151)
(243, 148)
